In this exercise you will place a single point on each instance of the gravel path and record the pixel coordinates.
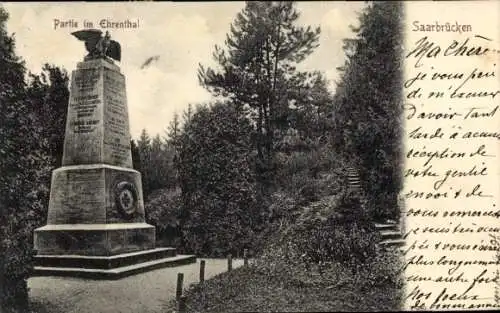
(147, 292)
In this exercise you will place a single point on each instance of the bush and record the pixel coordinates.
(327, 232)
(352, 208)
(331, 241)
(307, 189)
(309, 175)
(163, 210)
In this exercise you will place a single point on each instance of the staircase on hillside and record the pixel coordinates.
(391, 234)
(354, 181)
(390, 231)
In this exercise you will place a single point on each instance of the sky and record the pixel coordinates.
(181, 34)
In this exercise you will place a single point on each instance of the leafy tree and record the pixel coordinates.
(312, 105)
(263, 47)
(49, 94)
(368, 113)
(25, 171)
(217, 181)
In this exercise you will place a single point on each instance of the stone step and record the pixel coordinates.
(104, 262)
(393, 227)
(115, 273)
(393, 243)
(390, 234)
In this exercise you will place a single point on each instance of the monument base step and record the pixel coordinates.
(114, 273)
(103, 262)
(94, 239)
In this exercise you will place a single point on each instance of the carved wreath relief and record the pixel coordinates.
(126, 199)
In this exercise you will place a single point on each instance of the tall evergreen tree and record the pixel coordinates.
(136, 157)
(187, 114)
(368, 116)
(173, 143)
(160, 172)
(262, 49)
(144, 147)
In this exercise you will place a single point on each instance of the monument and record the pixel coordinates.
(96, 221)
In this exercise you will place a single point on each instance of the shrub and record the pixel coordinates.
(163, 211)
(307, 189)
(336, 232)
(331, 241)
(309, 175)
(385, 268)
(352, 208)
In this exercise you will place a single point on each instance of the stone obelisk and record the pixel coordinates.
(96, 206)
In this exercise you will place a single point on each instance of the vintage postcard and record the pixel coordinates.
(249, 156)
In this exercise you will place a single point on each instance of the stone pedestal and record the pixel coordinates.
(96, 206)
(95, 209)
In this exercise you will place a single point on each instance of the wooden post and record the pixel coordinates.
(245, 257)
(229, 262)
(181, 304)
(178, 292)
(202, 271)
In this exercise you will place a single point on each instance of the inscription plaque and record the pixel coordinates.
(81, 143)
(116, 143)
(97, 129)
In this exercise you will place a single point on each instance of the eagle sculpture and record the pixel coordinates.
(99, 46)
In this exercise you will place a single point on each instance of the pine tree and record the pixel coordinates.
(263, 47)
(173, 143)
(136, 157)
(187, 114)
(144, 147)
(160, 171)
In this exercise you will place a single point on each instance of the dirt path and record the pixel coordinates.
(147, 292)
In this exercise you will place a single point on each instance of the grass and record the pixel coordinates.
(284, 278)
(249, 289)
